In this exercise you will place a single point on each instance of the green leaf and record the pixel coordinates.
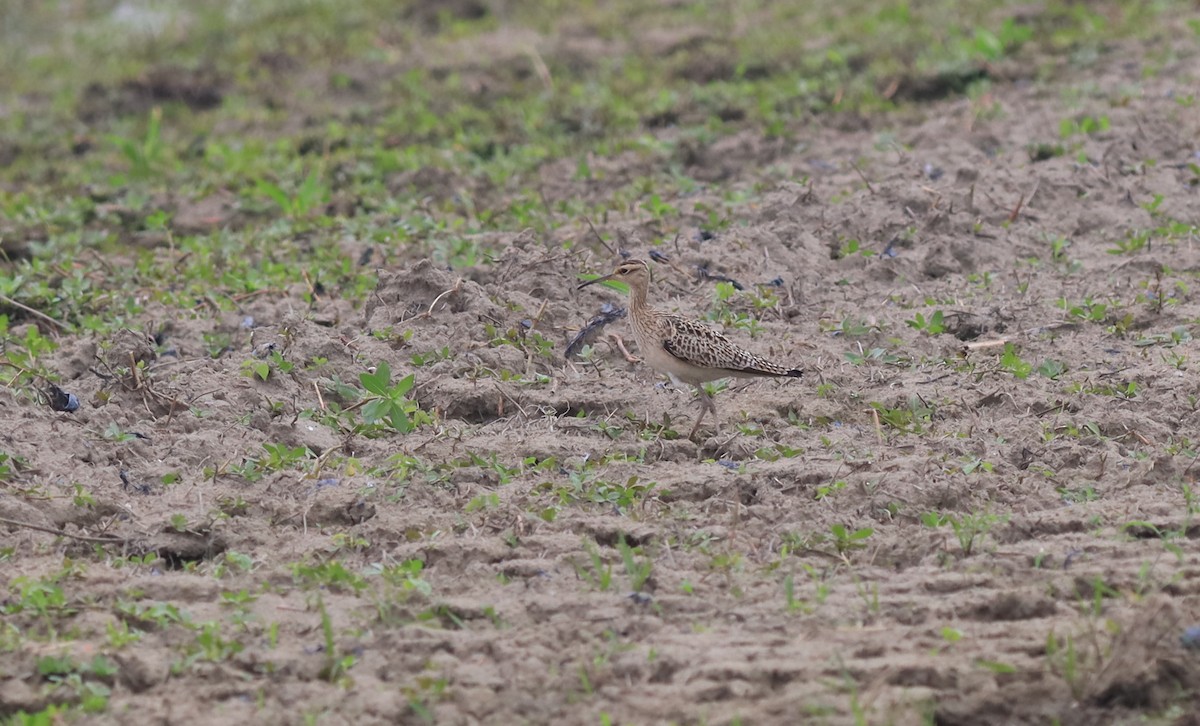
(399, 420)
(274, 193)
(933, 519)
(375, 410)
(1052, 369)
(610, 284)
(344, 391)
(377, 382)
(996, 666)
(55, 665)
(988, 45)
(403, 386)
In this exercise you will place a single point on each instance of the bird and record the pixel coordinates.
(686, 350)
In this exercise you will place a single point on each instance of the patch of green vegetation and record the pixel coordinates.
(10, 466)
(934, 325)
(821, 590)
(1011, 361)
(85, 682)
(584, 486)
(332, 574)
(239, 152)
(911, 417)
(969, 529)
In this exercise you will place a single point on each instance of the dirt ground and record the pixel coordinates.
(583, 562)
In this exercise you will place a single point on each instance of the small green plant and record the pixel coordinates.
(1052, 369)
(259, 368)
(583, 488)
(638, 569)
(658, 208)
(134, 562)
(829, 489)
(387, 402)
(1088, 310)
(868, 593)
(789, 596)
(595, 571)
(40, 597)
(113, 433)
(84, 680)
(9, 465)
(849, 327)
(777, 452)
(1012, 362)
(238, 598)
(1079, 495)
(1041, 151)
(337, 665)
(934, 325)
(874, 355)
(910, 419)
(82, 497)
(846, 540)
(851, 247)
(820, 592)
(145, 156)
(996, 666)
(347, 542)
(974, 464)
(309, 195)
(612, 431)
(208, 645)
(332, 574)
(121, 634)
(426, 691)
(991, 46)
(405, 576)
(482, 502)
(648, 430)
(433, 356)
(217, 344)
(1092, 596)
(263, 368)
(968, 529)
(1073, 664)
(1134, 242)
(1058, 253)
(51, 715)
(281, 457)
(158, 615)
(1191, 499)
(1083, 125)
(21, 359)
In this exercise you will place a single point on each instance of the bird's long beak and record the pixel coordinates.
(593, 282)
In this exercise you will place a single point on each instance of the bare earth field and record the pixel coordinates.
(977, 507)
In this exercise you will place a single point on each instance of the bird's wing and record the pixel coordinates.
(700, 345)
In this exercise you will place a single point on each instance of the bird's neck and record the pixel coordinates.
(637, 297)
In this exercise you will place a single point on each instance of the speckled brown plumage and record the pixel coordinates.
(686, 350)
(700, 345)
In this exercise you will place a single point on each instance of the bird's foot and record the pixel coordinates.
(620, 343)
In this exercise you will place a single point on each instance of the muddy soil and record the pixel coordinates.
(985, 524)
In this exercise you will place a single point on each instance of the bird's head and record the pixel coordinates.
(631, 272)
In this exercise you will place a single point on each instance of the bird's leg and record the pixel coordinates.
(706, 405)
(620, 343)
